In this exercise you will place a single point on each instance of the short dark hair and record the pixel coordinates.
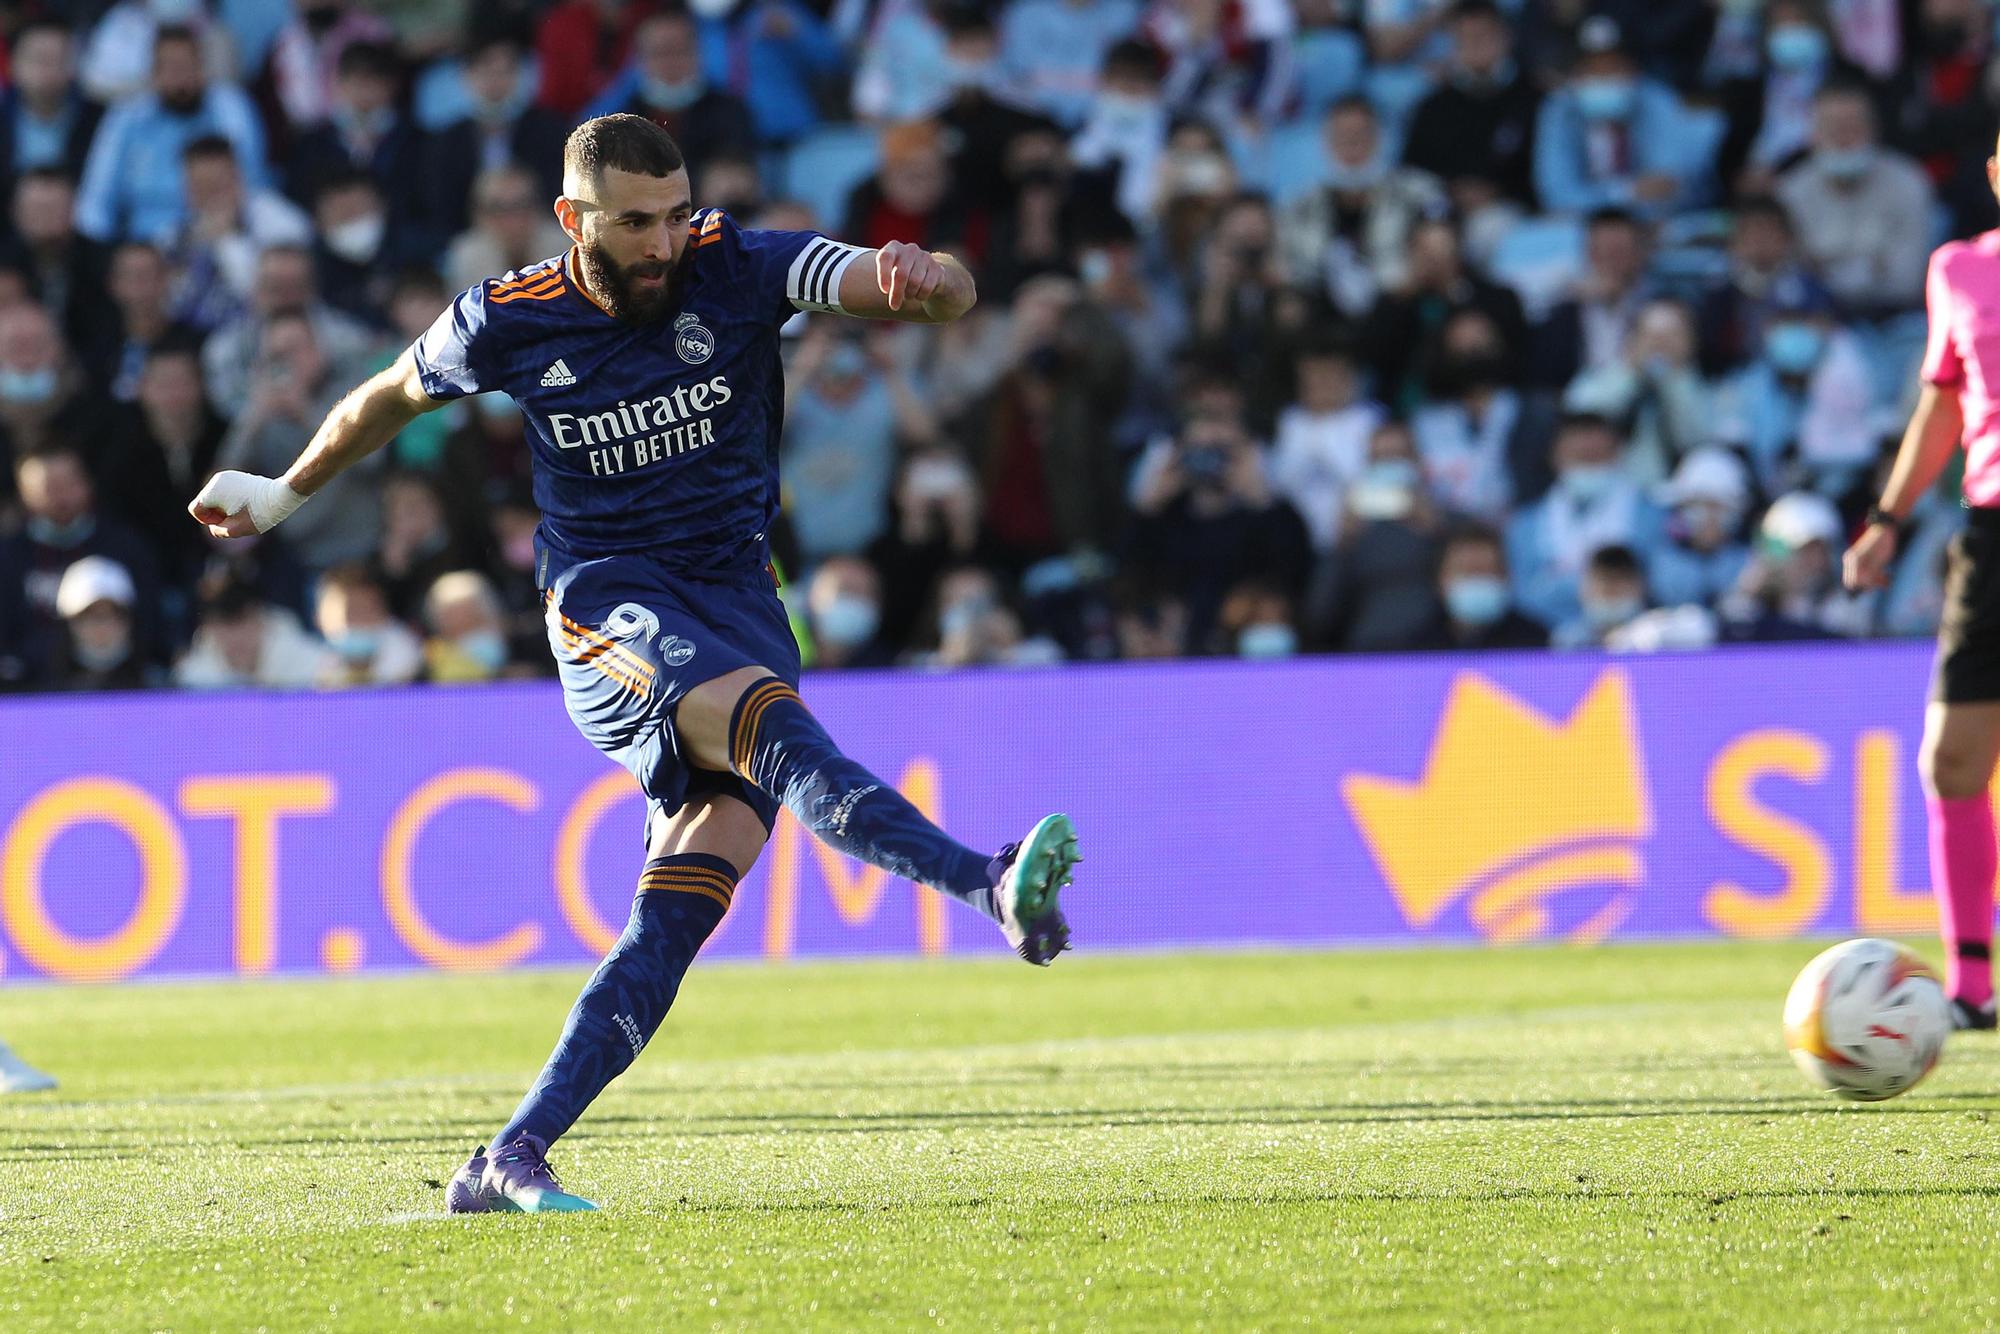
(42, 23)
(622, 142)
(1612, 216)
(208, 146)
(1353, 102)
(1475, 9)
(476, 49)
(175, 32)
(1133, 58)
(1473, 533)
(1766, 207)
(1618, 561)
(231, 599)
(345, 178)
(1588, 421)
(352, 577)
(48, 175)
(369, 59)
(55, 447)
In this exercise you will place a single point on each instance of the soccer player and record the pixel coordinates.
(17, 1076)
(1959, 402)
(645, 360)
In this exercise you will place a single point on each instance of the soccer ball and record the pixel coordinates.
(1866, 1020)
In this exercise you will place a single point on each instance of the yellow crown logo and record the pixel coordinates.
(1513, 808)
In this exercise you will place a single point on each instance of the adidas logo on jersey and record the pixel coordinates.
(558, 375)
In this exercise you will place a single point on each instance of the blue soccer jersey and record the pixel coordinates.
(663, 437)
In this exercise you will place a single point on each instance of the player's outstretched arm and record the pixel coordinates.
(237, 504)
(1928, 444)
(908, 283)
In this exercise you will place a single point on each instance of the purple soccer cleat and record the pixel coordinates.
(514, 1179)
(1029, 876)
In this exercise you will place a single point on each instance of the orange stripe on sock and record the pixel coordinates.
(702, 890)
(690, 875)
(761, 698)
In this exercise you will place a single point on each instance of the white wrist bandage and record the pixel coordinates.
(267, 499)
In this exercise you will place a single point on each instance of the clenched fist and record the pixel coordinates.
(237, 504)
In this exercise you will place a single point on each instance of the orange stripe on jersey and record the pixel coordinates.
(527, 280)
(540, 294)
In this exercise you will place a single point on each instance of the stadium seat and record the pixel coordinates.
(1291, 160)
(1539, 258)
(823, 168)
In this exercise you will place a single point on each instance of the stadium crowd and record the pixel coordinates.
(1305, 325)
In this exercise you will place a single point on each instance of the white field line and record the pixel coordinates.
(932, 1056)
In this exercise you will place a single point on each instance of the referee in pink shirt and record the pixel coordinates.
(1960, 402)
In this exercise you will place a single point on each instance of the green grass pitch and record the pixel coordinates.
(1584, 1140)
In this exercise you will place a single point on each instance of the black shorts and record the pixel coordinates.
(1968, 658)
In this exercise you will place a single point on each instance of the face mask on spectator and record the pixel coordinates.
(1476, 599)
(358, 239)
(961, 616)
(1586, 482)
(964, 74)
(1267, 639)
(1094, 268)
(1386, 489)
(27, 387)
(711, 9)
(848, 621)
(671, 96)
(1122, 113)
(1796, 46)
(1612, 612)
(1606, 99)
(1793, 349)
(845, 362)
(62, 536)
(486, 648)
(1343, 176)
(496, 405)
(1845, 164)
(503, 111)
(101, 657)
(1479, 84)
(357, 646)
(370, 124)
(173, 11)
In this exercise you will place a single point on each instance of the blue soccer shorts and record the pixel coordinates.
(631, 637)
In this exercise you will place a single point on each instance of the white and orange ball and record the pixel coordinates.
(1867, 1020)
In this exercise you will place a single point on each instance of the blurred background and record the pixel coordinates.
(1327, 326)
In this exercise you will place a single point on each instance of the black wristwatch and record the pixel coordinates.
(1879, 517)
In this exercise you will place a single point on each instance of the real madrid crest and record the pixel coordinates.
(692, 340)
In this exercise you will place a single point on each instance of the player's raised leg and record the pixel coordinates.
(693, 864)
(17, 1076)
(751, 723)
(1961, 747)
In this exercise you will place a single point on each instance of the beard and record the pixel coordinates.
(619, 287)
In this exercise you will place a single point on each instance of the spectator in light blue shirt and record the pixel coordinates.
(1055, 49)
(773, 54)
(44, 120)
(132, 183)
(1594, 503)
(1610, 137)
(1704, 554)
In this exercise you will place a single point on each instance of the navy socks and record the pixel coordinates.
(778, 745)
(681, 899)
